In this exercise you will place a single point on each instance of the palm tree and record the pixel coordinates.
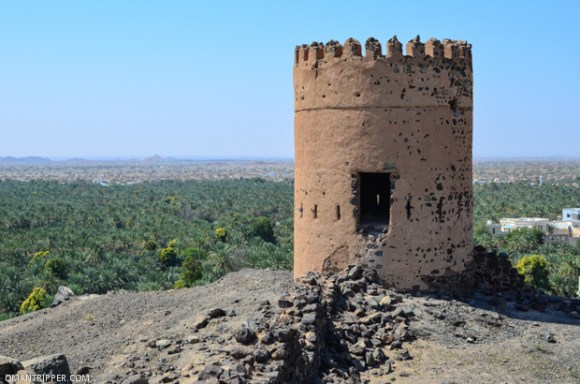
(222, 259)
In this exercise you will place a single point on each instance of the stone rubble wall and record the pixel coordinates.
(488, 272)
(330, 329)
(347, 327)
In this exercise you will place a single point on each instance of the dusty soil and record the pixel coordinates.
(474, 342)
(107, 332)
(485, 340)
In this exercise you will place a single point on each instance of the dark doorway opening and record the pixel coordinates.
(375, 198)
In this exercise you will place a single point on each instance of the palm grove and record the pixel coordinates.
(175, 234)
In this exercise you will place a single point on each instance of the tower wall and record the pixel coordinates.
(408, 117)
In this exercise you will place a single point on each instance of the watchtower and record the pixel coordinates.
(383, 158)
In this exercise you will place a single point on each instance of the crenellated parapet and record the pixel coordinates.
(383, 172)
(430, 74)
(456, 50)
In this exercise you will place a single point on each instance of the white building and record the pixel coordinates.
(571, 214)
(509, 224)
(493, 228)
(562, 228)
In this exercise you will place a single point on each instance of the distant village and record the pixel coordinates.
(566, 230)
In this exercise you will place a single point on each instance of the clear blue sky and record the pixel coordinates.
(214, 78)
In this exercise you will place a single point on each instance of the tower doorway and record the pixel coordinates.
(375, 198)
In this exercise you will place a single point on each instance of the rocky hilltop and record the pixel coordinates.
(258, 326)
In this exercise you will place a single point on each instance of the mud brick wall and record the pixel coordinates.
(400, 124)
(490, 271)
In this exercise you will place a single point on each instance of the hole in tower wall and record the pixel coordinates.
(338, 212)
(375, 198)
(315, 211)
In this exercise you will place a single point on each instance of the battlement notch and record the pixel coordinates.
(454, 50)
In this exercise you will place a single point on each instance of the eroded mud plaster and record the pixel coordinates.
(405, 117)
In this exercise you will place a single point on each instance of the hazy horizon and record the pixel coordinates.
(264, 158)
(99, 79)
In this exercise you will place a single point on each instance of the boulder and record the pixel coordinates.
(193, 339)
(200, 322)
(245, 335)
(210, 371)
(9, 366)
(163, 343)
(50, 365)
(24, 377)
(386, 301)
(135, 379)
(62, 294)
(262, 355)
(216, 312)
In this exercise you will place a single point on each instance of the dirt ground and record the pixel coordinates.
(107, 332)
(455, 342)
(474, 343)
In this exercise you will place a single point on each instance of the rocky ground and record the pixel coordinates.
(256, 326)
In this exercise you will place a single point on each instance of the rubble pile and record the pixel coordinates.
(329, 329)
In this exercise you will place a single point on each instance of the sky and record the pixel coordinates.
(134, 78)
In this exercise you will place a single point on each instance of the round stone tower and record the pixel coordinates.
(383, 165)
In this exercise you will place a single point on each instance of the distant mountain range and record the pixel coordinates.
(8, 160)
(158, 159)
(526, 158)
(24, 160)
